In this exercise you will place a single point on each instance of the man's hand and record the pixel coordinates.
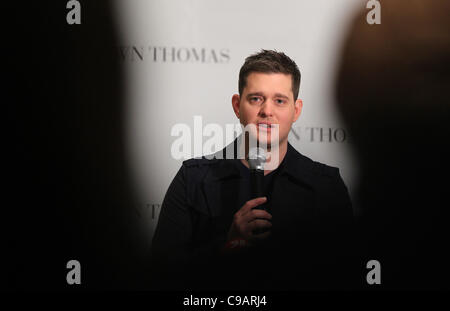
(248, 219)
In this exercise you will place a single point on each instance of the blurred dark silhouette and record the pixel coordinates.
(392, 90)
(66, 186)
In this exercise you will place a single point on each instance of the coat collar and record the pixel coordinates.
(297, 166)
(294, 165)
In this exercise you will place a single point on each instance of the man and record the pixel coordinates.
(212, 232)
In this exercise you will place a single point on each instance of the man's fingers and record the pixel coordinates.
(247, 218)
(259, 224)
(259, 213)
(255, 214)
(251, 204)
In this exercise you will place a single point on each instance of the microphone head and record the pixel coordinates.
(256, 158)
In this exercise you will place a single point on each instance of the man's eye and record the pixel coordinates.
(280, 101)
(255, 99)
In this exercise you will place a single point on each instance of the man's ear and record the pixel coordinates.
(298, 106)
(236, 103)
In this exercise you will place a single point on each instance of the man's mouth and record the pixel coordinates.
(267, 125)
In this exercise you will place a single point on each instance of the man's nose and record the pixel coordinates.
(266, 109)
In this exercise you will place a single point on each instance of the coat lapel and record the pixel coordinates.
(293, 196)
(222, 190)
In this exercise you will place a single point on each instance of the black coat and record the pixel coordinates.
(310, 242)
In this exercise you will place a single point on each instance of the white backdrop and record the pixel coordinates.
(170, 81)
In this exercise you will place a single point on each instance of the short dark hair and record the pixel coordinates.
(270, 61)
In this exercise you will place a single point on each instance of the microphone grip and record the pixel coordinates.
(257, 185)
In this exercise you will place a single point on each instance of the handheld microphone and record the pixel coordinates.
(256, 159)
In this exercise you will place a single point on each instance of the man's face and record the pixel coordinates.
(268, 99)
